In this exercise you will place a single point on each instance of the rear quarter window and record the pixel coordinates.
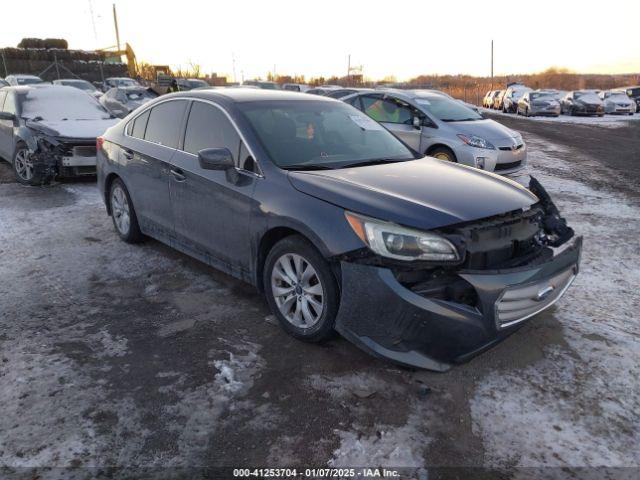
(164, 123)
(139, 125)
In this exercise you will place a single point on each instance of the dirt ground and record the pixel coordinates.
(114, 355)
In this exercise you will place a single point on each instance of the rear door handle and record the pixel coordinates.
(128, 154)
(178, 174)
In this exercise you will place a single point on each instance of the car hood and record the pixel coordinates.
(487, 129)
(72, 128)
(423, 194)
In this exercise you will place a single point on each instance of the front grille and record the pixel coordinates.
(508, 149)
(518, 303)
(507, 166)
(84, 151)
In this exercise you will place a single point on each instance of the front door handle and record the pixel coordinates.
(178, 175)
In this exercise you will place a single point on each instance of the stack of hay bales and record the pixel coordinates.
(34, 55)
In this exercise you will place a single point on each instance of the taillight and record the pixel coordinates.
(99, 143)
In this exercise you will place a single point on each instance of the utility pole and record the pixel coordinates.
(115, 21)
(492, 64)
(348, 70)
(233, 60)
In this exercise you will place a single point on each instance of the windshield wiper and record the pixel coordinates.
(306, 166)
(460, 119)
(377, 161)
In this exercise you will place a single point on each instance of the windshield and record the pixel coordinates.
(79, 84)
(28, 80)
(139, 94)
(619, 95)
(61, 103)
(124, 82)
(542, 95)
(587, 96)
(633, 92)
(447, 109)
(320, 134)
(197, 83)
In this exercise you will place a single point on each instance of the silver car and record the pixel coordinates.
(512, 96)
(617, 101)
(539, 103)
(436, 125)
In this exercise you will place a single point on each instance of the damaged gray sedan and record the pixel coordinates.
(49, 131)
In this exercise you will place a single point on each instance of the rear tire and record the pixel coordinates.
(123, 214)
(443, 153)
(301, 289)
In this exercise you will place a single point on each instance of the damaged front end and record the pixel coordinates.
(53, 156)
(429, 315)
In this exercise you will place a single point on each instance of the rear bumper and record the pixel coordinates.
(385, 318)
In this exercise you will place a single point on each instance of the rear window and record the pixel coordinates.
(164, 122)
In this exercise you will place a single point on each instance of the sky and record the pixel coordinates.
(403, 39)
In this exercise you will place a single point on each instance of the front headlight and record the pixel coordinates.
(477, 142)
(400, 243)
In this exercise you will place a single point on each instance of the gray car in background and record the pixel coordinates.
(437, 125)
(121, 101)
(617, 102)
(539, 103)
(582, 102)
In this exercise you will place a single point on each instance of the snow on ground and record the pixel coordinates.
(579, 405)
(72, 298)
(608, 121)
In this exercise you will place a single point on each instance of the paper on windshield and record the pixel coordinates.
(365, 122)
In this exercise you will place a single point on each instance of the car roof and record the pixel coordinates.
(243, 95)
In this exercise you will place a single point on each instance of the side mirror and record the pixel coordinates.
(215, 159)
(417, 122)
(7, 116)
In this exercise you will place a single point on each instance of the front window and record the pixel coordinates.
(299, 134)
(447, 109)
(387, 109)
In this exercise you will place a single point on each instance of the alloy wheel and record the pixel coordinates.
(297, 290)
(23, 165)
(442, 156)
(120, 210)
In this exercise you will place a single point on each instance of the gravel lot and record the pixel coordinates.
(114, 355)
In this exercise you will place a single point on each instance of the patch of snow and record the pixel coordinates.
(390, 446)
(579, 405)
(608, 121)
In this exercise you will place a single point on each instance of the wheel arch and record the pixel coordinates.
(435, 146)
(273, 236)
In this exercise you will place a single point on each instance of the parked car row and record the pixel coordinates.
(524, 101)
(329, 207)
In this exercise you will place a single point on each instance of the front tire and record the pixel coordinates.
(24, 169)
(123, 214)
(301, 289)
(443, 153)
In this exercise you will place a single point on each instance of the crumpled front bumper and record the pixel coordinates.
(385, 318)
